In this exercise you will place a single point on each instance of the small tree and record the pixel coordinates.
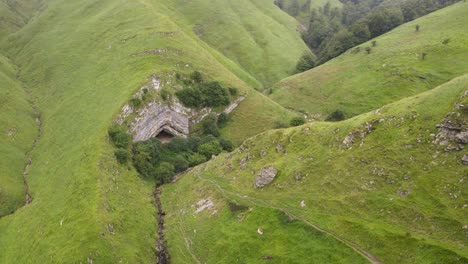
(374, 43)
(417, 28)
(306, 62)
(297, 121)
(223, 118)
(197, 77)
(119, 137)
(209, 149)
(226, 145)
(180, 164)
(210, 127)
(178, 144)
(196, 159)
(163, 173)
(337, 115)
(233, 91)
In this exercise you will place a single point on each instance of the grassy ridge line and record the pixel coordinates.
(254, 34)
(357, 82)
(340, 189)
(78, 57)
(17, 129)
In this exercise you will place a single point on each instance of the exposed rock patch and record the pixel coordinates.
(358, 135)
(204, 204)
(465, 159)
(157, 52)
(265, 176)
(453, 132)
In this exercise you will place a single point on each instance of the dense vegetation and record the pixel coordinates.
(333, 30)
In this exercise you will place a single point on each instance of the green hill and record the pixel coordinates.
(357, 82)
(79, 61)
(393, 195)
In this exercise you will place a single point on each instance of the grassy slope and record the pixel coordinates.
(77, 59)
(353, 193)
(357, 83)
(17, 131)
(254, 34)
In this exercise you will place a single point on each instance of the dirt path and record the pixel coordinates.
(161, 249)
(372, 259)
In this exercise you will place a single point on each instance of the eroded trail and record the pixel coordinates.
(161, 249)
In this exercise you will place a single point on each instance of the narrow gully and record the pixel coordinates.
(161, 249)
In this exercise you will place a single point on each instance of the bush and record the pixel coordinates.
(226, 145)
(191, 97)
(135, 102)
(210, 126)
(223, 118)
(214, 94)
(197, 77)
(180, 164)
(207, 139)
(119, 137)
(193, 143)
(210, 149)
(121, 155)
(178, 144)
(142, 164)
(297, 121)
(196, 159)
(306, 62)
(163, 173)
(233, 91)
(337, 115)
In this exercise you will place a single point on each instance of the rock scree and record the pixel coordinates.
(265, 176)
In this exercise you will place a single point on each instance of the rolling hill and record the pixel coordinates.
(357, 82)
(374, 188)
(80, 61)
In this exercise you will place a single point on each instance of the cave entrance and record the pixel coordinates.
(164, 136)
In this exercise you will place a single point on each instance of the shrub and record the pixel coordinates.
(135, 102)
(119, 137)
(180, 164)
(196, 159)
(190, 97)
(297, 121)
(207, 139)
(446, 41)
(121, 155)
(163, 173)
(233, 91)
(374, 43)
(193, 143)
(142, 164)
(226, 145)
(178, 144)
(214, 94)
(223, 118)
(337, 115)
(306, 62)
(197, 77)
(209, 149)
(417, 28)
(210, 127)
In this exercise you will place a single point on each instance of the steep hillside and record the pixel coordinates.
(256, 35)
(357, 82)
(82, 61)
(376, 188)
(17, 131)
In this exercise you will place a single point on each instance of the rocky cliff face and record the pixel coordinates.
(171, 117)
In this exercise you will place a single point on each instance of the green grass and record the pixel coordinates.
(357, 82)
(76, 58)
(253, 34)
(350, 192)
(17, 132)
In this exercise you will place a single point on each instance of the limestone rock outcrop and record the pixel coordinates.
(265, 176)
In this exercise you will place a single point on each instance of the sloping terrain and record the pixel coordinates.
(357, 82)
(82, 60)
(17, 131)
(256, 35)
(375, 188)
